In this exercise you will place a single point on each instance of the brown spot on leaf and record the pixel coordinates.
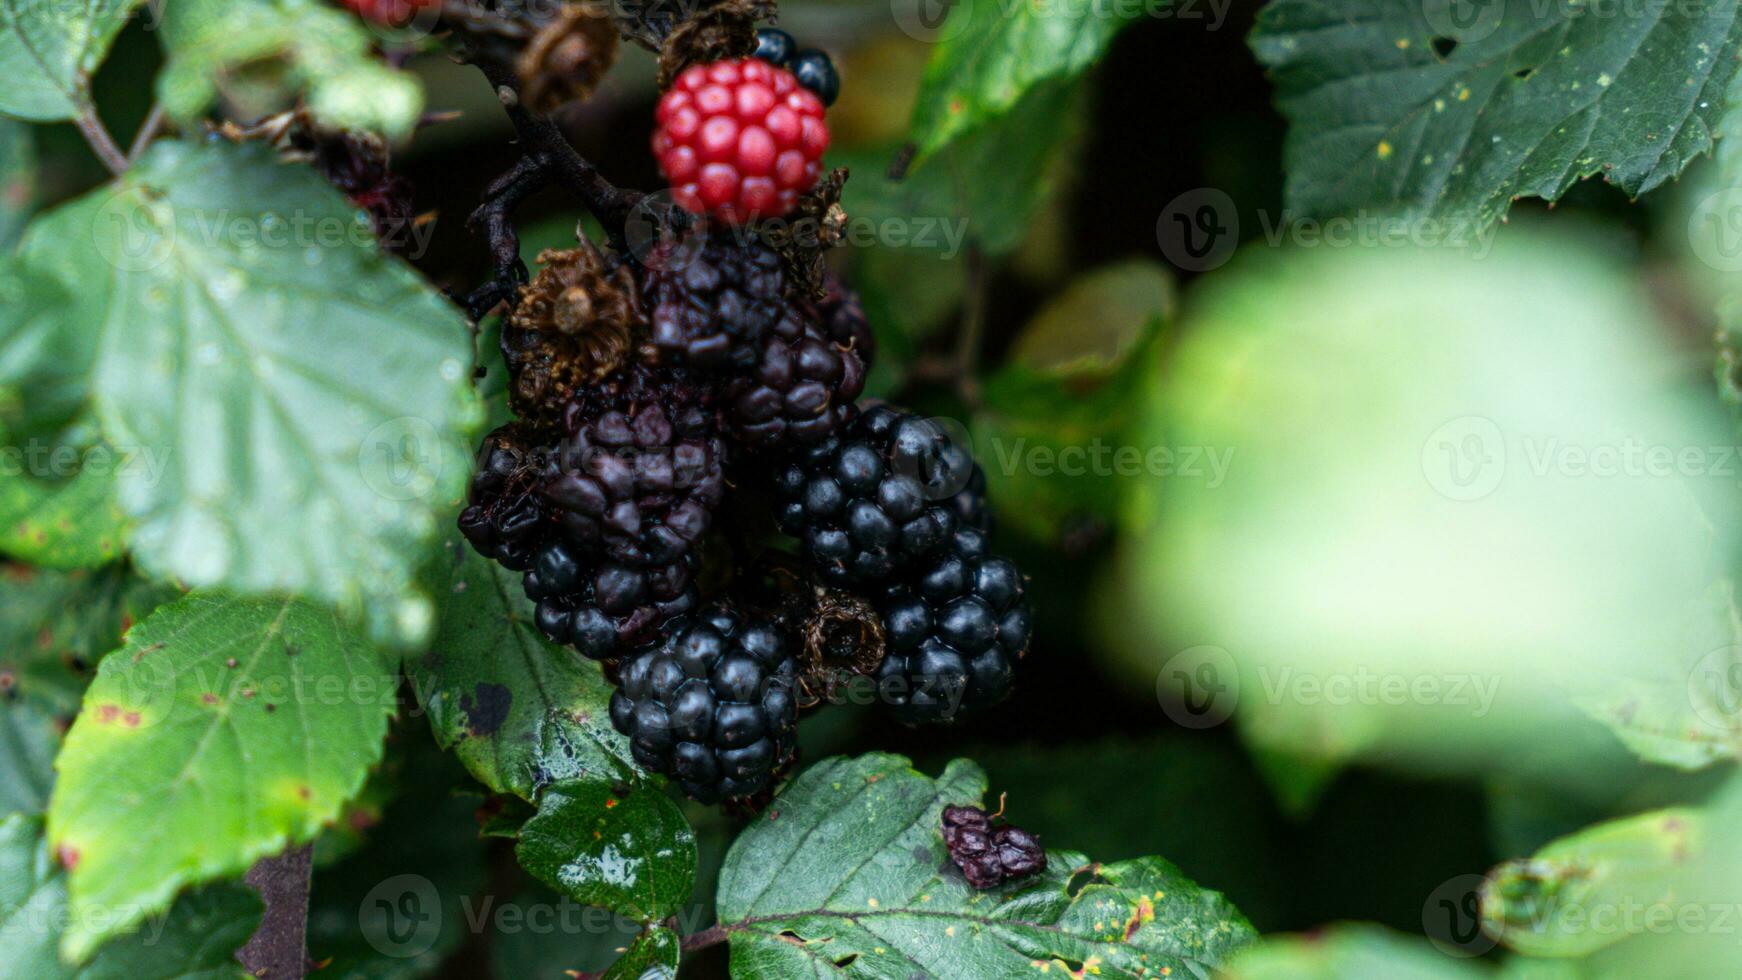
(209, 698)
(107, 713)
(68, 856)
(486, 709)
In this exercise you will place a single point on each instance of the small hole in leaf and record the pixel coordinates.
(1523, 73)
(846, 961)
(1443, 46)
(1082, 878)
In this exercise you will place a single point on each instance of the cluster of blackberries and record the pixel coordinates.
(988, 856)
(646, 386)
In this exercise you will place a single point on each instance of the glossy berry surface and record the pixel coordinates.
(640, 469)
(775, 46)
(603, 608)
(392, 12)
(876, 499)
(815, 70)
(712, 705)
(955, 633)
(739, 139)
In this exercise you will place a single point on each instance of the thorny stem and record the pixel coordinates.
(102, 143)
(546, 145)
(547, 158)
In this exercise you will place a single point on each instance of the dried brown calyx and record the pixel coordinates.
(840, 634)
(576, 323)
(568, 57)
(726, 29)
(801, 238)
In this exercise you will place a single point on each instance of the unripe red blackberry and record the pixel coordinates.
(391, 12)
(739, 139)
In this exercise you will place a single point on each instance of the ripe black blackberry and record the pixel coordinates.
(712, 705)
(602, 608)
(713, 298)
(877, 498)
(953, 634)
(802, 389)
(641, 469)
(505, 518)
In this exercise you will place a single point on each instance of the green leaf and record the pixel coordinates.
(70, 523)
(309, 394)
(1023, 146)
(1554, 903)
(1528, 99)
(44, 369)
(53, 629)
(1477, 468)
(632, 853)
(849, 876)
(49, 50)
(653, 956)
(1099, 322)
(196, 939)
(226, 729)
(1681, 709)
(1134, 782)
(18, 179)
(266, 52)
(1053, 440)
(1349, 951)
(519, 711)
(991, 56)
